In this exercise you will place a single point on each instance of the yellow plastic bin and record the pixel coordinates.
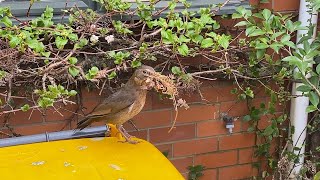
(102, 158)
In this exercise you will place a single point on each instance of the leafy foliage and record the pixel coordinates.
(195, 172)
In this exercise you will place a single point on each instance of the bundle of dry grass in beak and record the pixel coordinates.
(166, 85)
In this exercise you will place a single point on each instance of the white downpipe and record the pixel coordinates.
(298, 115)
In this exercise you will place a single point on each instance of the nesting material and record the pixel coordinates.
(165, 85)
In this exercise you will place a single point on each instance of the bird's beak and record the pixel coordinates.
(149, 84)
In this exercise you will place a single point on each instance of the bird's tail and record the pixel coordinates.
(84, 123)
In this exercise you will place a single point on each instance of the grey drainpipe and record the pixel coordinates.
(99, 131)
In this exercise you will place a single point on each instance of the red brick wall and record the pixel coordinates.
(200, 136)
(278, 5)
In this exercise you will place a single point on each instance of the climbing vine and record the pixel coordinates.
(51, 59)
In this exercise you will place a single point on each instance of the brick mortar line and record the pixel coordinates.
(167, 126)
(208, 153)
(177, 158)
(180, 124)
(206, 137)
(219, 151)
(185, 140)
(221, 167)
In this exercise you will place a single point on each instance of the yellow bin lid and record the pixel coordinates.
(102, 158)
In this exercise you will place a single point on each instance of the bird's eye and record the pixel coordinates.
(144, 72)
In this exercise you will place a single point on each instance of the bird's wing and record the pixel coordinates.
(115, 103)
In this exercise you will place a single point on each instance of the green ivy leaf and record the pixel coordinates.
(317, 176)
(318, 69)
(48, 13)
(249, 92)
(206, 43)
(234, 91)
(112, 75)
(176, 70)
(314, 98)
(256, 32)
(289, 26)
(285, 38)
(311, 108)
(290, 44)
(35, 45)
(88, 77)
(72, 93)
(83, 42)
(45, 102)
(183, 39)
(224, 41)
(45, 54)
(236, 16)
(241, 23)
(2, 74)
(135, 64)
(73, 71)
(293, 60)
(277, 34)
(260, 53)
(276, 46)
(266, 14)
(93, 71)
(73, 37)
(197, 38)
(183, 49)
(167, 36)
(268, 131)
(247, 118)
(25, 107)
(73, 60)
(60, 42)
(6, 21)
(14, 41)
(261, 46)
(304, 88)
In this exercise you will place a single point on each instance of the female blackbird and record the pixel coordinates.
(123, 104)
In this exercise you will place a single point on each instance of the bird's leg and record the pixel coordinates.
(133, 125)
(125, 134)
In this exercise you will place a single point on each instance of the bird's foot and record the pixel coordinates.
(131, 141)
(126, 135)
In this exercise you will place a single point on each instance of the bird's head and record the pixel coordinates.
(143, 77)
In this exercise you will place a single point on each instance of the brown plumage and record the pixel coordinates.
(123, 104)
